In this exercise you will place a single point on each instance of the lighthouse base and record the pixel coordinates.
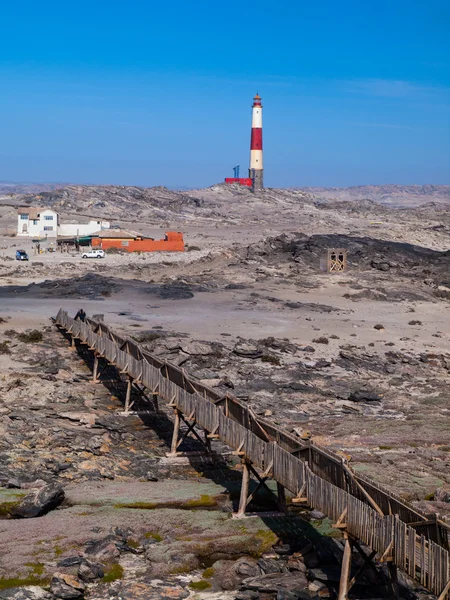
(257, 176)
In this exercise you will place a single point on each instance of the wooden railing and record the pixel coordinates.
(415, 542)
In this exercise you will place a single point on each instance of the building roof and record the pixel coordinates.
(121, 234)
(32, 211)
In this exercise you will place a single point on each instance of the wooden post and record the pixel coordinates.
(128, 394)
(155, 402)
(346, 568)
(281, 497)
(207, 442)
(244, 489)
(176, 431)
(95, 369)
(72, 343)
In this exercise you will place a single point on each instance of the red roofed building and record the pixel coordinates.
(134, 242)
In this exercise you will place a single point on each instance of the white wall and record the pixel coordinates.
(80, 229)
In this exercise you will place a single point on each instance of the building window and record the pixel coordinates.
(35, 221)
(24, 217)
(124, 243)
(48, 228)
(48, 217)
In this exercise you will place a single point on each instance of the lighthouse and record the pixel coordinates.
(256, 169)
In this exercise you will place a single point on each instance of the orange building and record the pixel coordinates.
(133, 242)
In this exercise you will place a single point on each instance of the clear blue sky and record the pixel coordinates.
(159, 93)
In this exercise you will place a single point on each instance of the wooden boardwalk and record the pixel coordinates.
(396, 532)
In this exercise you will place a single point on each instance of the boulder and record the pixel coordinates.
(39, 502)
(247, 350)
(316, 515)
(105, 548)
(364, 396)
(276, 582)
(442, 495)
(89, 571)
(270, 565)
(66, 586)
(30, 592)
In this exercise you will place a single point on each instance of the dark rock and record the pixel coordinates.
(70, 561)
(175, 291)
(283, 549)
(364, 396)
(326, 573)
(380, 265)
(308, 349)
(316, 515)
(379, 327)
(13, 483)
(321, 340)
(247, 567)
(40, 502)
(31, 592)
(270, 565)
(89, 571)
(442, 495)
(247, 350)
(247, 595)
(66, 586)
(105, 548)
(275, 582)
(295, 595)
(228, 575)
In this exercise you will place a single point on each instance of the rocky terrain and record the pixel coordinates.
(89, 503)
(398, 196)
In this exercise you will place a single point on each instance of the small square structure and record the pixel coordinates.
(336, 260)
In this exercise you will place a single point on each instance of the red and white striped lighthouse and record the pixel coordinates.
(256, 169)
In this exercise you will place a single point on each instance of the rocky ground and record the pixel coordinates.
(360, 361)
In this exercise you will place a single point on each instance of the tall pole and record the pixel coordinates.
(256, 169)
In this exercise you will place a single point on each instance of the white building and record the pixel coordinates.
(44, 223)
(37, 222)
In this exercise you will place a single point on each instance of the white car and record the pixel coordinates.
(94, 254)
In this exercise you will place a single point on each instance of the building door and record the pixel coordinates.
(24, 228)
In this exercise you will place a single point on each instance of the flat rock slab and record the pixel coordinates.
(64, 533)
(145, 494)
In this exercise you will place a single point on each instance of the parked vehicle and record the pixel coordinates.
(94, 254)
(21, 255)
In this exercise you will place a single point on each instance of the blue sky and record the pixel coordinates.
(153, 93)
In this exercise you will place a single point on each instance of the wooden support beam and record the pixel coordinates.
(176, 430)
(95, 369)
(244, 489)
(346, 569)
(301, 496)
(445, 591)
(386, 556)
(360, 487)
(128, 393)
